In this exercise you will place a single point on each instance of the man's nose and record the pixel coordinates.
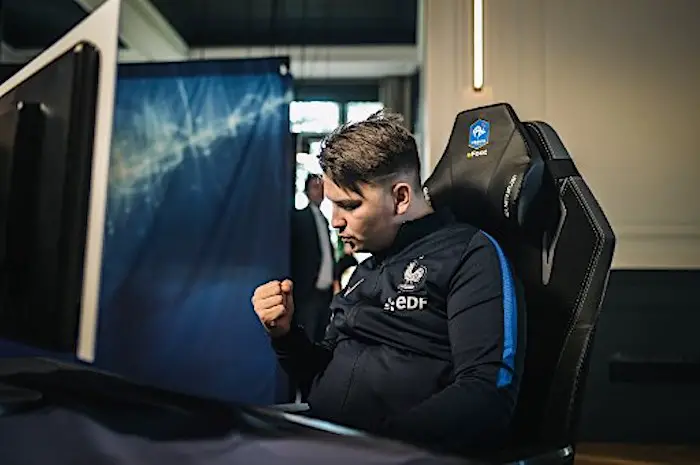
(337, 220)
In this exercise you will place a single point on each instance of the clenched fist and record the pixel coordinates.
(274, 305)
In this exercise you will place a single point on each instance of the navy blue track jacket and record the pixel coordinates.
(425, 344)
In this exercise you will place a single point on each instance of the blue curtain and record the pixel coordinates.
(198, 216)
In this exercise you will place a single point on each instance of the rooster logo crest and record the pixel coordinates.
(413, 276)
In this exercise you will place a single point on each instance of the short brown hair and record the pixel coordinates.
(370, 151)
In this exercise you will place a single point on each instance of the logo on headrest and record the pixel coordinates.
(479, 133)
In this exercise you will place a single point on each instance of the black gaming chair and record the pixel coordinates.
(517, 182)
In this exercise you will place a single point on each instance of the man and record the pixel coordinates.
(425, 344)
(312, 263)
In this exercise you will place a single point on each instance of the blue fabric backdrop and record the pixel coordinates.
(198, 216)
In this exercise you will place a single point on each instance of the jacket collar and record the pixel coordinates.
(411, 231)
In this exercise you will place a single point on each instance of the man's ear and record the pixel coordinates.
(401, 192)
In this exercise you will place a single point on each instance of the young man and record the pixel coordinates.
(424, 343)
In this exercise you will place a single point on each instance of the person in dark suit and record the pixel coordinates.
(312, 263)
(346, 262)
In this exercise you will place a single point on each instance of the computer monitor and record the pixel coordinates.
(46, 142)
(55, 135)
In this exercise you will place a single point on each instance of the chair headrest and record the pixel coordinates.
(490, 171)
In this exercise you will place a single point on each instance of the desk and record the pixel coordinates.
(87, 416)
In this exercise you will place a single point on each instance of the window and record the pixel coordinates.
(315, 148)
(315, 117)
(357, 111)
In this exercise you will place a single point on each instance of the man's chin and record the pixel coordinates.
(362, 248)
(355, 247)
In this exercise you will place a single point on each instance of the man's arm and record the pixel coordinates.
(301, 359)
(476, 409)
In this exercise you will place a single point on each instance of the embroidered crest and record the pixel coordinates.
(413, 276)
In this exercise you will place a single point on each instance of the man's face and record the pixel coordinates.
(367, 222)
(314, 191)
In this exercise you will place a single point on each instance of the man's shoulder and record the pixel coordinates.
(469, 242)
(462, 230)
(456, 235)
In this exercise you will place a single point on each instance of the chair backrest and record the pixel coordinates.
(517, 182)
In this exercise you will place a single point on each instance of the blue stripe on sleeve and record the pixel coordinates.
(510, 315)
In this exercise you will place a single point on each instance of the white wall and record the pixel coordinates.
(619, 80)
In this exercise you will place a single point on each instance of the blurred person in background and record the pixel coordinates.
(344, 268)
(312, 263)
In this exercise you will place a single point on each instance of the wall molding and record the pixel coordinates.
(657, 231)
(660, 247)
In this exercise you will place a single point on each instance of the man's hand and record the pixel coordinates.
(274, 305)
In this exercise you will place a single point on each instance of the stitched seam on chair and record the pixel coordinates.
(545, 142)
(582, 291)
(599, 250)
(500, 162)
(591, 263)
(591, 221)
(587, 277)
(599, 242)
(565, 185)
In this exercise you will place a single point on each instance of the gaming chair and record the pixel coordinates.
(517, 182)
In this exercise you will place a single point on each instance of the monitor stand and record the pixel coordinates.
(13, 399)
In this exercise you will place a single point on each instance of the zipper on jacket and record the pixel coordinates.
(351, 378)
(352, 314)
(377, 277)
(351, 321)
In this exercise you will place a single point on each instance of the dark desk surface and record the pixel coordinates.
(110, 422)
